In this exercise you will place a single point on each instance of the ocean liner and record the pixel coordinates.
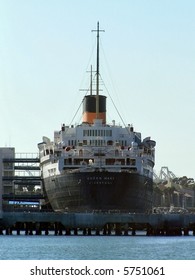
(96, 166)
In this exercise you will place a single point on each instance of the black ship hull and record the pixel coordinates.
(100, 191)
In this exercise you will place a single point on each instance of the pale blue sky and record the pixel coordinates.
(147, 63)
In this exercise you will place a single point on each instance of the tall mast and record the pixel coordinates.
(91, 81)
(97, 72)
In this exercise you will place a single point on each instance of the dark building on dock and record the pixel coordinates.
(20, 181)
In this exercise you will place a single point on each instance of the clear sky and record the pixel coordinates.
(147, 63)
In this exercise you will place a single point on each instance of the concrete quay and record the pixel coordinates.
(170, 224)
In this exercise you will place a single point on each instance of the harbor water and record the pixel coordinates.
(97, 247)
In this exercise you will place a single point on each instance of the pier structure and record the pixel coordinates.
(120, 224)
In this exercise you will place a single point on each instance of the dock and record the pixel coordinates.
(120, 224)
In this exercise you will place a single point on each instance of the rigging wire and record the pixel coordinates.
(112, 82)
(114, 105)
(89, 61)
(87, 90)
(83, 78)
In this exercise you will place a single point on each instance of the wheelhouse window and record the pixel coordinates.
(97, 132)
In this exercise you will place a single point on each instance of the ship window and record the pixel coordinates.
(109, 133)
(97, 142)
(85, 132)
(110, 161)
(123, 143)
(52, 171)
(67, 161)
(77, 161)
(132, 162)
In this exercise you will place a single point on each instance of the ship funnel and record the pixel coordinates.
(89, 108)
